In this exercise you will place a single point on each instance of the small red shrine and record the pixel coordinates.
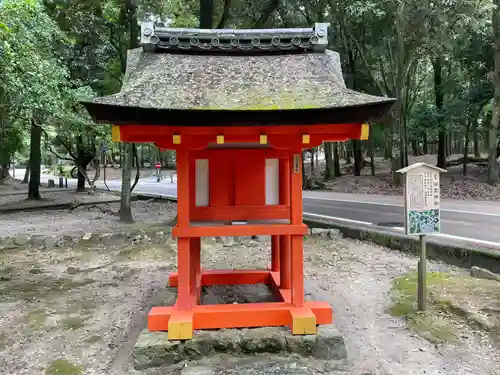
(238, 107)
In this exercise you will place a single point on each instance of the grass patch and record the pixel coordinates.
(131, 252)
(83, 306)
(93, 339)
(39, 288)
(3, 342)
(35, 319)
(63, 367)
(72, 322)
(452, 300)
(143, 251)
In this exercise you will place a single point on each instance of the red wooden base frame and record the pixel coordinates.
(285, 277)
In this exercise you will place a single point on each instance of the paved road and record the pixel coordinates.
(477, 222)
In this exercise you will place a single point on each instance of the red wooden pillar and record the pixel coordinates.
(286, 274)
(186, 285)
(275, 253)
(285, 256)
(303, 319)
(296, 188)
(285, 262)
(297, 255)
(285, 181)
(297, 271)
(185, 278)
(183, 188)
(195, 244)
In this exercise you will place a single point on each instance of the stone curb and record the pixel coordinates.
(465, 256)
(53, 206)
(42, 190)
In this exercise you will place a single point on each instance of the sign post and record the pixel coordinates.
(158, 171)
(422, 213)
(104, 149)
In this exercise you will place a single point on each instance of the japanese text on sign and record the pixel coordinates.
(422, 191)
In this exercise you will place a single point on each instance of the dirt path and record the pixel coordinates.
(80, 309)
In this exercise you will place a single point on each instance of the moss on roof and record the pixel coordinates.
(222, 82)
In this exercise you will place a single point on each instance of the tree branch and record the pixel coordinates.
(51, 150)
(48, 147)
(138, 170)
(266, 13)
(68, 148)
(384, 75)
(116, 45)
(225, 14)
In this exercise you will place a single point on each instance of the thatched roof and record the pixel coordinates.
(247, 83)
(195, 82)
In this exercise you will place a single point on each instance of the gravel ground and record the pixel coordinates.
(73, 305)
(82, 219)
(357, 282)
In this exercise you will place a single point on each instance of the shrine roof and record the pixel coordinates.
(283, 77)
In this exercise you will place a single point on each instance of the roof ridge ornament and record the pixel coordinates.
(156, 37)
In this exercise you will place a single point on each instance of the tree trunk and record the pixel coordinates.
(475, 136)
(348, 155)
(35, 161)
(425, 146)
(84, 157)
(466, 145)
(206, 13)
(414, 147)
(441, 152)
(80, 185)
(405, 128)
(370, 151)
(130, 14)
(495, 78)
(126, 195)
(304, 176)
(154, 155)
(451, 144)
(142, 156)
(269, 9)
(439, 97)
(328, 161)
(459, 142)
(226, 12)
(26, 173)
(165, 159)
(399, 107)
(358, 157)
(336, 160)
(388, 143)
(312, 162)
(4, 173)
(121, 154)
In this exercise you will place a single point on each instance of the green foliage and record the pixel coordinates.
(55, 53)
(63, 367)
(35, 80)
(32, 74)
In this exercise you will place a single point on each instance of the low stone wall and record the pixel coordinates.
(463, 256)
(153, 349)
